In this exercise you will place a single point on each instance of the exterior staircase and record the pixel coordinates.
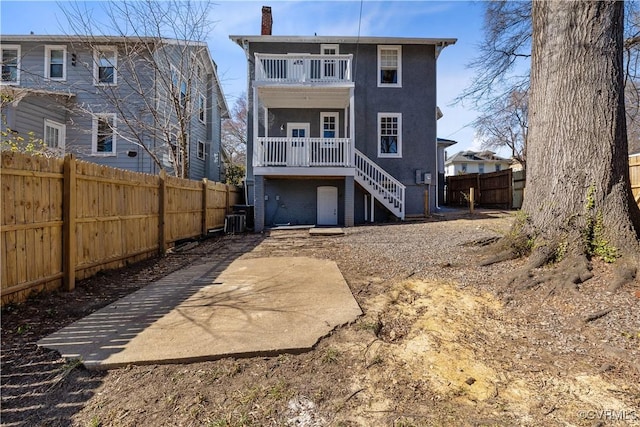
(383, 187)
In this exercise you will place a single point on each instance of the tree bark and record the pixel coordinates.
(577, 158)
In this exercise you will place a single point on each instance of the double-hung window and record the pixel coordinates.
(105, 65)
(179, 86)
(202, 150)
(202, 109)
(183, 93)
(389, 135)
(54, 134)
(10, 64)
(104, 135)
(55, 62)
(389, 66)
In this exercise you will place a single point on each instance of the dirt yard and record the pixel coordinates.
(443, 342)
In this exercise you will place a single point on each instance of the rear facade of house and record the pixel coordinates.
(342, 130)
(60, 88)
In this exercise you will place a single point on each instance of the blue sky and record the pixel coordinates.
(437, 19)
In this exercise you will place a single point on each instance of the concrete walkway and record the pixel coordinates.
(263, 306)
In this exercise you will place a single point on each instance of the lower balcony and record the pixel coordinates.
(302, 152)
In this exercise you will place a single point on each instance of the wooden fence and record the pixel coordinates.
(491, 189)
(64, 219)
(634, 175)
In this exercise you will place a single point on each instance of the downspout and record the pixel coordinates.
(438, 48)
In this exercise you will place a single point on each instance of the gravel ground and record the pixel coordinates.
(442, 342)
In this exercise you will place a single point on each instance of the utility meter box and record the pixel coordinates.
(427, 178)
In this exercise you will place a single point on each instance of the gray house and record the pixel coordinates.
(112, 100)
(342, 130)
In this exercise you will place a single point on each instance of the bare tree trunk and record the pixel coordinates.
(577, 160)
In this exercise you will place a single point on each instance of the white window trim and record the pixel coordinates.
(390, 155)
(94, 135)
(329, 46)
(390, 47)
(330, 114)
(202, 99)
(96, 64)
(204, 150)
(62, 131)
(19, 64)
(47, 62)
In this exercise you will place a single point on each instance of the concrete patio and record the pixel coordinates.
(260, 306)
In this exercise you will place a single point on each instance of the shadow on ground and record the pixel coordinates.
(40, 388)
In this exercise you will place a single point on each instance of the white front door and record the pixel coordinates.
(297, 150)
(327, 205)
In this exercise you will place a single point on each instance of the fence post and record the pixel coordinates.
(471, 200)
(205, 191)
(162, 212)
(227, 199)
(510, 189)
(69, 223)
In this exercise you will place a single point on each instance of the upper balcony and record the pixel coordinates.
(303, 69)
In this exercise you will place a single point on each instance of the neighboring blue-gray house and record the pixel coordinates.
(111, 100)
(342, 130)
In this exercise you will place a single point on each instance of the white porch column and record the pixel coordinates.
(346, 123)
(352, 125)
(373, 207)
(255, 127)
(266, 122)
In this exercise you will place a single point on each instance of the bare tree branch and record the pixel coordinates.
(158, 44)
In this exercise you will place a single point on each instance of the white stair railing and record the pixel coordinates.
(382, 186)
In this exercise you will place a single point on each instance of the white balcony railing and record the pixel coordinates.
(302, 152)
(297, 68)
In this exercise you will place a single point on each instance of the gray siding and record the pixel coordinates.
(214, 157)
(415, 100)
(297, 204)
(259, 204)
(282, 116)
(32, 112)
(137, 89)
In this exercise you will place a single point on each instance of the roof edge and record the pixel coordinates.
(343, 39)
(94, 38)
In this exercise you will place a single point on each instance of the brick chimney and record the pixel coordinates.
(267, 21)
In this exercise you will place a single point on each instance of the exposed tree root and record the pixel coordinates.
(563, 263)
(505, 255)
(568, 273)
(625, 273)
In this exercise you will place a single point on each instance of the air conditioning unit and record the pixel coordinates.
(235, 223)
